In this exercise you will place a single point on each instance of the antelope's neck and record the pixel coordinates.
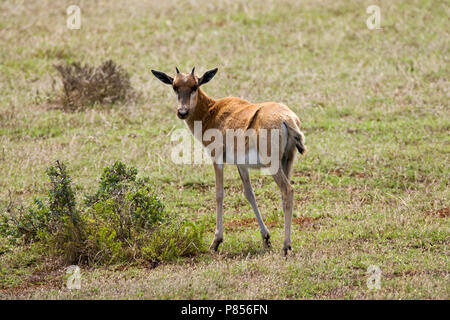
(201, 111)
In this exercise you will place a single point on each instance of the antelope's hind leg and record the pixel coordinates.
(250, 195)
(287, 196)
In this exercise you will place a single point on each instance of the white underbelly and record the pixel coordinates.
(249, 159)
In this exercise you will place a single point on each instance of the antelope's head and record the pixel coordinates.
(185, 86)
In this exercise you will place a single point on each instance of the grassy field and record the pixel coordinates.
(372, 190)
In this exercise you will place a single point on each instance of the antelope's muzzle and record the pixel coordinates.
(182, 113)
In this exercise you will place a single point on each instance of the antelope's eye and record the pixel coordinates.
(175, 88)
(194, 88)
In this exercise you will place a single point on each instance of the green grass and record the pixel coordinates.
(373, 106)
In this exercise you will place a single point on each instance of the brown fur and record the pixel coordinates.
(236, 113)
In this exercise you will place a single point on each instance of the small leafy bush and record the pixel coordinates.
(86, 85)
(124, 220)
(25, 223)
(48, 215)
(54, 220)
(124, 212)
(129, 201)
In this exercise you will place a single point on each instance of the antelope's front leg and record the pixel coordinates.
(218, 238)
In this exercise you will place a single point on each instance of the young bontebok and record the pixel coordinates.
(267, 136)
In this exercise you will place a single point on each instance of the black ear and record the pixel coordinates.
(207, 76)
(163, 77)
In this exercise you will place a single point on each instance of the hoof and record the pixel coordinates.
(266, 241)
(286, 250)
(215, 244)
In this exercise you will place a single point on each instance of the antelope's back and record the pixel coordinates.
(236, 113)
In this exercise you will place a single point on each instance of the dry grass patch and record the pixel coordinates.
(440, 213)
(237, 224)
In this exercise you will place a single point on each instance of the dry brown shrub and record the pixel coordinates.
(86, 85)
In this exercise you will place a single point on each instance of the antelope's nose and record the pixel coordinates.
(182, 114)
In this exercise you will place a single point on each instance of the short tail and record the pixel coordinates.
(299, 138)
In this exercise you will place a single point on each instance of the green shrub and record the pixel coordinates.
(126, 200)
(124, 220)
(25, 223)
(51, 215)
(54, 220)
(127, 221)
(123, 212)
